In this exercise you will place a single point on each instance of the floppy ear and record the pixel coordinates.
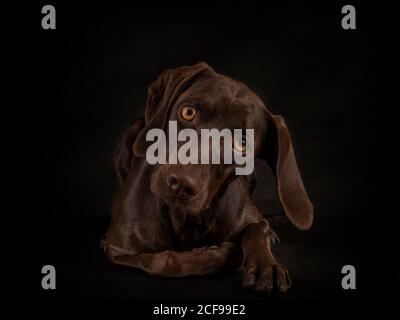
(123, 154)
(162, 94)
(278, 152)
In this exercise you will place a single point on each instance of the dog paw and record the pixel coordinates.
(263, 276)
(273, 237)
(224, 246)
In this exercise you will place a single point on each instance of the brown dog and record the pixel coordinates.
(182, 220)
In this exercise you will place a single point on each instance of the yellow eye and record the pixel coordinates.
(187, 113)
(240, 146)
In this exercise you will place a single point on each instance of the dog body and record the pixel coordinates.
(179, 220)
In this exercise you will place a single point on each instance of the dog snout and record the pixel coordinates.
(181, 185)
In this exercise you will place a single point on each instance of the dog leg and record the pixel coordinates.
(260, 266)
(170, 263)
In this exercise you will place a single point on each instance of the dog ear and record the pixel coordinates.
(278, 152)
(162, 94)
(123, 154)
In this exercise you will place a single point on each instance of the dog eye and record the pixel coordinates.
(188, 113)
(240, 146)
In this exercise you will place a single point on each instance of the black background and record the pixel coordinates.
(81, 84)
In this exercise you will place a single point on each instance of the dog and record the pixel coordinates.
(177, 220)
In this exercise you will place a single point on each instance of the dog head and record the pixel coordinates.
(197, 97)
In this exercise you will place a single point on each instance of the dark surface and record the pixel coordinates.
(313, 259)
(78, 87)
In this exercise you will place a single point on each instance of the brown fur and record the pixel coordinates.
(202, 231)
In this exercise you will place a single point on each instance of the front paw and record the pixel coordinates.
(263, 276)
(273, 236)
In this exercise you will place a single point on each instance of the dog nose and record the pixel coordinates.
(181, 185)
(173, 182)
